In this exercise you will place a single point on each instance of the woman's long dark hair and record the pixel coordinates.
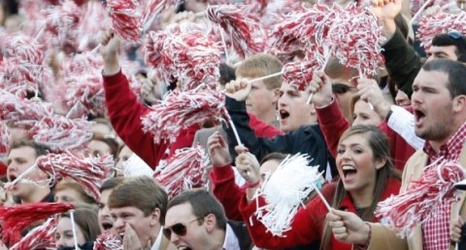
(380, 146)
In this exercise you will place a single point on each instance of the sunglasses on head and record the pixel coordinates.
(178, 229)
(455, 34)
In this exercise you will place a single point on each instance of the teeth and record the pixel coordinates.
(348, 167)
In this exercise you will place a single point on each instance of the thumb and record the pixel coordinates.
(241, 149)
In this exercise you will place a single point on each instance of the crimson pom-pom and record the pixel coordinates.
(243, 28)
(423, 198)
(359, 37)
(40, 237)
(126, 18)
(89, 172)
(18, 218)
(439, 23)
(60, 28)
(298, 74)
(22, 112)
(156, 7)
(24, 48)
(180, 110)
(306, 32)
(186, 53)
(107, 241)
(61, 133)
(4, 140)
(184, 170)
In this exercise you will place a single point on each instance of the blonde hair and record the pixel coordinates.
(261, 65)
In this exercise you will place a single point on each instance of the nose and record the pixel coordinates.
(60, 242)
(174, 238)
(119, 224)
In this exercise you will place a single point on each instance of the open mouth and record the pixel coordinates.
(107, 225)
(184, 248)
(11, 177)
(419, 116)
(283, 114)
(349, 170)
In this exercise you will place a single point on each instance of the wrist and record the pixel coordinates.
(324, 103)
(368, 234)
(111, 68)
(383, 109)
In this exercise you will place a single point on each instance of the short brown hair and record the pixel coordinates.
(202, 203)
(261, 65)
(40, 149)
(64, 184)
(141, 192)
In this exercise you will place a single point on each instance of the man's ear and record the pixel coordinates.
(210, 221)
(155, 217)
(459, 103)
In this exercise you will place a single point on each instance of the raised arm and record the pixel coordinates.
(124, 109)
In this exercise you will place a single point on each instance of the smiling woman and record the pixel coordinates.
(367, 176)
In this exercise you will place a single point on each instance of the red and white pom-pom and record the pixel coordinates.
(89, 172)
(126, 18)
(423, 197)
(92, 22)
(155, 8)
(5, 140)
(298, 74)
(257, 6)
(180, 110)
(21, 112)
(20, 78)
(107, 241)
(306, 32)
(18, 218)
(25, 48)
(438, 23)
(359, 38)
(184, 170)
(61, 133)
(243, 28)
(186, 53)
(60, 28)
(40, 237)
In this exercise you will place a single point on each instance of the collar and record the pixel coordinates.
(158, 241)
(449, 151)
(230, 242)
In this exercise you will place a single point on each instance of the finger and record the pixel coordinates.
(240, 149)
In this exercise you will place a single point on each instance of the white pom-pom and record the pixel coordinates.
(135, 166)
(298, 177)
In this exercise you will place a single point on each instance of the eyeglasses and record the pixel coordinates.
(178, 229)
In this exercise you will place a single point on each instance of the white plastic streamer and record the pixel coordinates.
(299, 178)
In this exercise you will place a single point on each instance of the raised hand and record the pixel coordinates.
(369, 91)
(109, 49)
(218, 150)
(348, 227)
(247, 165)
(238, 89)
(322, 89)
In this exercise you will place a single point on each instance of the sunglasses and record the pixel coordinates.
(455, 34)
(178, 229)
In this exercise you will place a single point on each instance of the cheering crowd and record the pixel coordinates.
(232, 125)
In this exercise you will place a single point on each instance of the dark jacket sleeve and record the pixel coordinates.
(401, 61)
(258, 146)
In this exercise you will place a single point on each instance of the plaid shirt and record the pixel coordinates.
(436, 230)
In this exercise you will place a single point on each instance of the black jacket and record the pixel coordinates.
(307, 139)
